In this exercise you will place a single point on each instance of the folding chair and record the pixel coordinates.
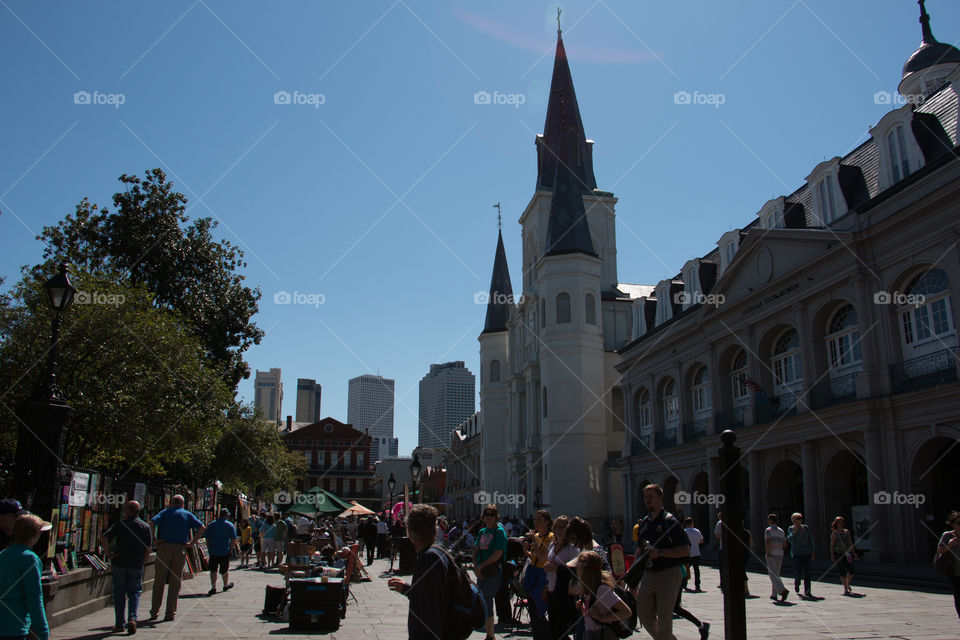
(353, 565)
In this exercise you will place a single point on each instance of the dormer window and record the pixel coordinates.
(771, 216)
(828, 201)
(691, 283)
(664, 306)
(728, 244)
(900, 155)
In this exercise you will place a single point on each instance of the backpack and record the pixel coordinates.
(467, 611)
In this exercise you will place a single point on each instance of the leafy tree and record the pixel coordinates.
(144, 393)
(149, 241)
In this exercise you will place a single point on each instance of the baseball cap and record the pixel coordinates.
(11, 507)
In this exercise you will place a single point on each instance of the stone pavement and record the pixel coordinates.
(381, 614)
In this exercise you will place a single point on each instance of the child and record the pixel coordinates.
(598, 602)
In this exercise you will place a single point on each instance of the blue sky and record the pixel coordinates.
(372, 189)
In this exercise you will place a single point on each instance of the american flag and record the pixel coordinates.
(750, 382)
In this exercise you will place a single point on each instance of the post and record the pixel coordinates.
(734, 546)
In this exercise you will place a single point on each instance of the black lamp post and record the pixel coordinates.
(415, 469)
(391, 485)
(44, 424)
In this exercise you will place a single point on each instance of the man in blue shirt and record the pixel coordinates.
(221, 536)
(171, 529)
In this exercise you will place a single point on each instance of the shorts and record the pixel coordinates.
(256, 545)
(221, 563)
(245, 548)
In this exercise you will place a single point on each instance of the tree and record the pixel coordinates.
(145, 394)
(149, 241)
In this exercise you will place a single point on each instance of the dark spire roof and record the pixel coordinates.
(567, 228)
(501, 292)
(931, 52)
(563, 121)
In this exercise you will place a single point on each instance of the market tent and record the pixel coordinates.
(326, 502)
(356, 510)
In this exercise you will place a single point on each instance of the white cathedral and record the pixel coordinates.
(551, 408)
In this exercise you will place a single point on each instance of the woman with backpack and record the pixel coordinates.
(842, 553)
(950, 543)
(561, 611)
(598, 604)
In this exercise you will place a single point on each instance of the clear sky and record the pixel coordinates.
(368, 186)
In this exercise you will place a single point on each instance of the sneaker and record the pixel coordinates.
(773, 597)
(131, 627)
(169, 617)
(227, 587)
(704, 631)
(212, 591)
(808, 595)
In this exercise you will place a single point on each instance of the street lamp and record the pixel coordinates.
(415, 469)
(43, 428)
(391, 485)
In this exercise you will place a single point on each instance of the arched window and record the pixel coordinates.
(925, 313)
(590, 305)
(787, 370)
(563, 308)
(738, 378)
(671, 405)
(544, 402)
(843, 338)
(899, 160)
(495, 371)
(700, 391)
(642, 409)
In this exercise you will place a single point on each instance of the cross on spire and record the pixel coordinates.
(558, 19)
(499, 223)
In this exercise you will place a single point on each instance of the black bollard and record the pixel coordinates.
(734, 546)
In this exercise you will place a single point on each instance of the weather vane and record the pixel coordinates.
(558, 19)
(497, 207)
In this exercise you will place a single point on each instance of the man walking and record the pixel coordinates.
(382, 530)
(429, 587)
(801, 550)
(667, 545)
(221, 537)
(775, 540)
(696, 539)
(172, 530)
(369, 531)
(133, 542)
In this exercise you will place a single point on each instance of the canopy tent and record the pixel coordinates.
(356, 510)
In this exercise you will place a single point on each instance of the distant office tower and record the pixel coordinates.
(370, 408)
(308, 400)
(268, 394)
(446, 399)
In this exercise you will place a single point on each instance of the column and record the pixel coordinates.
(882, 517)
(873, 380)
(758, 518)
(811, 500)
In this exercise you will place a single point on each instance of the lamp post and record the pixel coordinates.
(415, 469)
(391, 485)
(43, 429)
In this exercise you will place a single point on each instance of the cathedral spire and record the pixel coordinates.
(925, 24)
(567, 228)
(501, 292)
(563, 121)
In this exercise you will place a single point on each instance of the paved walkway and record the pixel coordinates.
(381, 614)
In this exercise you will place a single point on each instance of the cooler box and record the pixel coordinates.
(309, 592)
(315, 617)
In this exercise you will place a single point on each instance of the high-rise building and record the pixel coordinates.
(268, 394)
(447, 398)
(370, 410)
(308, 400)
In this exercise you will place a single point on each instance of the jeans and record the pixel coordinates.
(802, 572)
(534, 582)
(127, 585)
(488, 588)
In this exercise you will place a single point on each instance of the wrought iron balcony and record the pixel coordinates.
(781, 406)
(834, 391)
(934, 369)
(731, 418)
(666, 438)
(694, 430)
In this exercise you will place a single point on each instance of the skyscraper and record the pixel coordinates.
(370, 409)
(446, 399)
(308, 400)
(268, 394)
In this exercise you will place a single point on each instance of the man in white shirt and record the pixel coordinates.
(696, 539)
(775, 540)
(382, 529)
(304, 526)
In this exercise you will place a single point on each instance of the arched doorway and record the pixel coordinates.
(700, 510)
(933, 475)
(785, 491)
(670, 487)
(844, 487)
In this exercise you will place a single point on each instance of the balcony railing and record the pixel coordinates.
(694, 430)
(834, 391)
(666, 438)
(731, 418)
(930, 370)
(781, 406)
